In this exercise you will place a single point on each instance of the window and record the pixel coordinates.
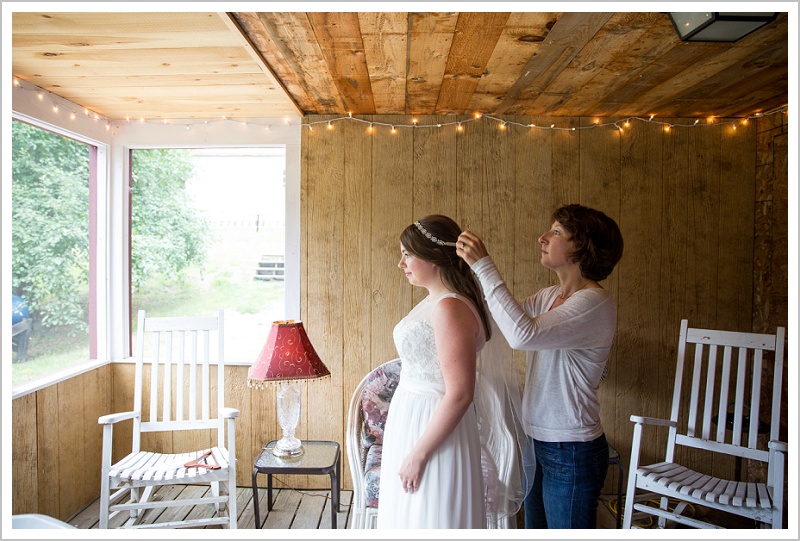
(52, 247)
(208, 233)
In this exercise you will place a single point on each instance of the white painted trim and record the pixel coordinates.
(67, 373)
(27, 107)
(55, 378)
(214, 134)
(114, 144)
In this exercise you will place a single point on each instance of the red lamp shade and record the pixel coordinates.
(287, 355)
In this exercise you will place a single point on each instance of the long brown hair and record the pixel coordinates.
(455, 272)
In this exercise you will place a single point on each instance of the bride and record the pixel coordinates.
(431, 473)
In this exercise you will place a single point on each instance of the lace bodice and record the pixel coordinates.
(415, 342)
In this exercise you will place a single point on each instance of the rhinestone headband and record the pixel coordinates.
(437, 240)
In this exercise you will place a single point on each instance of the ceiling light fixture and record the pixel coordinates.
(716, 26)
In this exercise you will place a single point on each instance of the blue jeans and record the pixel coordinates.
(567, 480)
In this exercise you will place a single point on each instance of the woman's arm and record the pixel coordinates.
(587, 320)
(456, 329)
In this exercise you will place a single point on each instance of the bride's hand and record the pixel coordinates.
(411, 473)
(470, 248)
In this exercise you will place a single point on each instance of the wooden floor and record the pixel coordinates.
(292, 509)
(295, 509)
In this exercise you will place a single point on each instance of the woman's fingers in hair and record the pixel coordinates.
(470, 247)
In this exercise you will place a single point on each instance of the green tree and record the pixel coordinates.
(168, 234)
(50, 225)
(50, 222)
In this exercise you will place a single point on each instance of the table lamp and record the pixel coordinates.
(287, 357)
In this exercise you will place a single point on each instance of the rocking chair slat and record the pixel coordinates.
(741, 491)
(146, 469)
(717, 407)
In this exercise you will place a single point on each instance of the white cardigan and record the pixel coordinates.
(567, 352)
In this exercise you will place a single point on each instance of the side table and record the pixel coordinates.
(319, 458)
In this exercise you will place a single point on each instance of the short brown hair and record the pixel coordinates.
(597, 239)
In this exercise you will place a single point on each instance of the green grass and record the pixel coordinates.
(48, 353)
(225, 282)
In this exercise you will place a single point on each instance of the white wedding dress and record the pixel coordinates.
(451, 491)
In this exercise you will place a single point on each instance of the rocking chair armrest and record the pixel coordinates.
(116, 417)
(779, 446)
(653, 421)
(228, 413)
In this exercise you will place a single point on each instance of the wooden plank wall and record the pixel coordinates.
(684, 199)
(703, 211)
(56, 445)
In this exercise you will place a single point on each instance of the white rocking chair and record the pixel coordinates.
(176, 351)
(725, 382)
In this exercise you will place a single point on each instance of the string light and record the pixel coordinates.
(60, 103)
(504, 124)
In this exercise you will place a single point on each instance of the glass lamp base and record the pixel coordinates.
(288, 416)
(287, 449)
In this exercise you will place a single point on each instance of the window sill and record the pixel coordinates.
(58, 377)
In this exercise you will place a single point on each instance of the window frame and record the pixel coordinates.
(111, 212)
(98, 173)
(291, 240)
(130, 136)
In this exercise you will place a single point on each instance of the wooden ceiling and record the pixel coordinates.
(254, 65)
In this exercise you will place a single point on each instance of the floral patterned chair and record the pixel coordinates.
(365, 421)
(366, 418)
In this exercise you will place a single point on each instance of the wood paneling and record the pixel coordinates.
(689, 237)
(248, 65)
(24, 456)
(703, 211)
(56, 445)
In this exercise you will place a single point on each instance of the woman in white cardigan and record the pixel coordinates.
(567, 331)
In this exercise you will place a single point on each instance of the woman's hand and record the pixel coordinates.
(411, 472)
(470, 248)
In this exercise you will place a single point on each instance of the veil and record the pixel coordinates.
(503, 441)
